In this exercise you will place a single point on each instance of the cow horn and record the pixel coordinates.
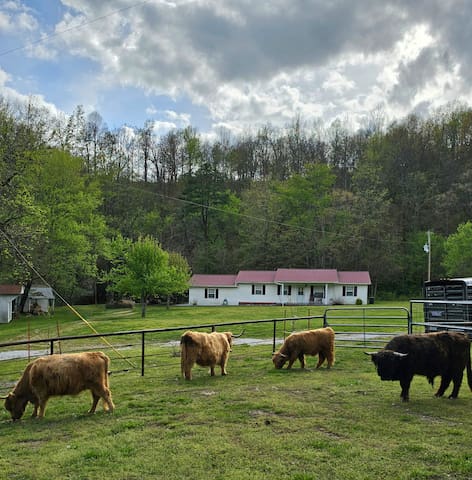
(283, 355)
(4, 398)
(239, 335)
(399, 354)
(370, 353)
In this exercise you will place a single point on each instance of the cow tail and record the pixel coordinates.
(469, 372)
(107, 369)
(183, 353)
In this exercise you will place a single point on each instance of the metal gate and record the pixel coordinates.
(366, 327)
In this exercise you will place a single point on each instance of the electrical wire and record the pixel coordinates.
(75, 27)
(38, 274)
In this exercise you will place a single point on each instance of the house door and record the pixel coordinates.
(317, 295)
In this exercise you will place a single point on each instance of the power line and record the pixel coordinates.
(75, 27)
(275, 222)
(38, 274)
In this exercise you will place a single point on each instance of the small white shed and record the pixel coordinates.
(10, 296)
(41, 299)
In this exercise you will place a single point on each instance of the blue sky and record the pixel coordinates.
(237, 64)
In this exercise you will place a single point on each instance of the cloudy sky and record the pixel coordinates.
(237, 64)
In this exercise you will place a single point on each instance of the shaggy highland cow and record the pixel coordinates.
(443, 354)
(67, 374)
(206, 350)
(310, 342)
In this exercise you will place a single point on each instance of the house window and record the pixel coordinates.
(300, 291)
(258, 289)
(350, 291)
(211, 293)
(287, 290)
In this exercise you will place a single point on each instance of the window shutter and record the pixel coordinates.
(344, 291)
(216, 293)
(290, 289)
(206, 292)
(252, 290)
(355, 291)
(263, 289)
(278, 289)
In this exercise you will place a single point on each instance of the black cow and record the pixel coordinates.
(443, 354)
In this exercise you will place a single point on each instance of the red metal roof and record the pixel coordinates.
(299, 275)
(11, 289)
(255, 276)
(282, 275)
(207, 280)
(355, 277)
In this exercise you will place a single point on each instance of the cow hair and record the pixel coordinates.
(309, 342)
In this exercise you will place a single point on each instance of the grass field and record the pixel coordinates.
(255, 423)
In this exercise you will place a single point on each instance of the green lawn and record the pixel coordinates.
(255, 423)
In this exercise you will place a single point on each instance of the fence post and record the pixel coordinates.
(273, 337)
(410, 319)
(142, 354)
(51, 349)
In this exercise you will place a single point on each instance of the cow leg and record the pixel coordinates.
(457, 380)
(212, 371)
(321, 359)
(223, 367)
(96, 398)
(291, 361)
(445, 382)
(42, 407)
(301, 357)
(405, 384)
(330, 358)
(35, 410)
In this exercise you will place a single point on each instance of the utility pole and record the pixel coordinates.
(427, 249)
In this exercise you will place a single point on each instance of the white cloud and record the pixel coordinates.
(252, 63)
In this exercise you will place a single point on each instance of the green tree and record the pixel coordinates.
(75, 231)
(458, 251)
(21, 219)
(143, 269)
(305, 202)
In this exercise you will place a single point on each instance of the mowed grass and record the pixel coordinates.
(254, 423)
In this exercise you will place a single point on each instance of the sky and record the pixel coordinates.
(237, 65)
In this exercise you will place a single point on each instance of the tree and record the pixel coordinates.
(458, 247)
(143, 269)
(74, 230)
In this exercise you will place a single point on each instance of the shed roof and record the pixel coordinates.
(39, 291)
(11, 289)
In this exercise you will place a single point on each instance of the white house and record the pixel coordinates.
(283, 286)
(10, 296)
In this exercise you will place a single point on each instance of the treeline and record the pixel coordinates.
(302, 196)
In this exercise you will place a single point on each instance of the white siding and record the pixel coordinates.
(243, 294)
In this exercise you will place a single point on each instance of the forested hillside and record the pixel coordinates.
(304, 196)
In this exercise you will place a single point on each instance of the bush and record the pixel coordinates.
(358, 301)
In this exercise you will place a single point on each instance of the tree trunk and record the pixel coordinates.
(143, 305)
(24, 297)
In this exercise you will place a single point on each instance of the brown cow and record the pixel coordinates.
(310, 342)
(67, 374)
(206, 350)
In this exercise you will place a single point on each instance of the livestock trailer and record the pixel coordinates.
(450, 303)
